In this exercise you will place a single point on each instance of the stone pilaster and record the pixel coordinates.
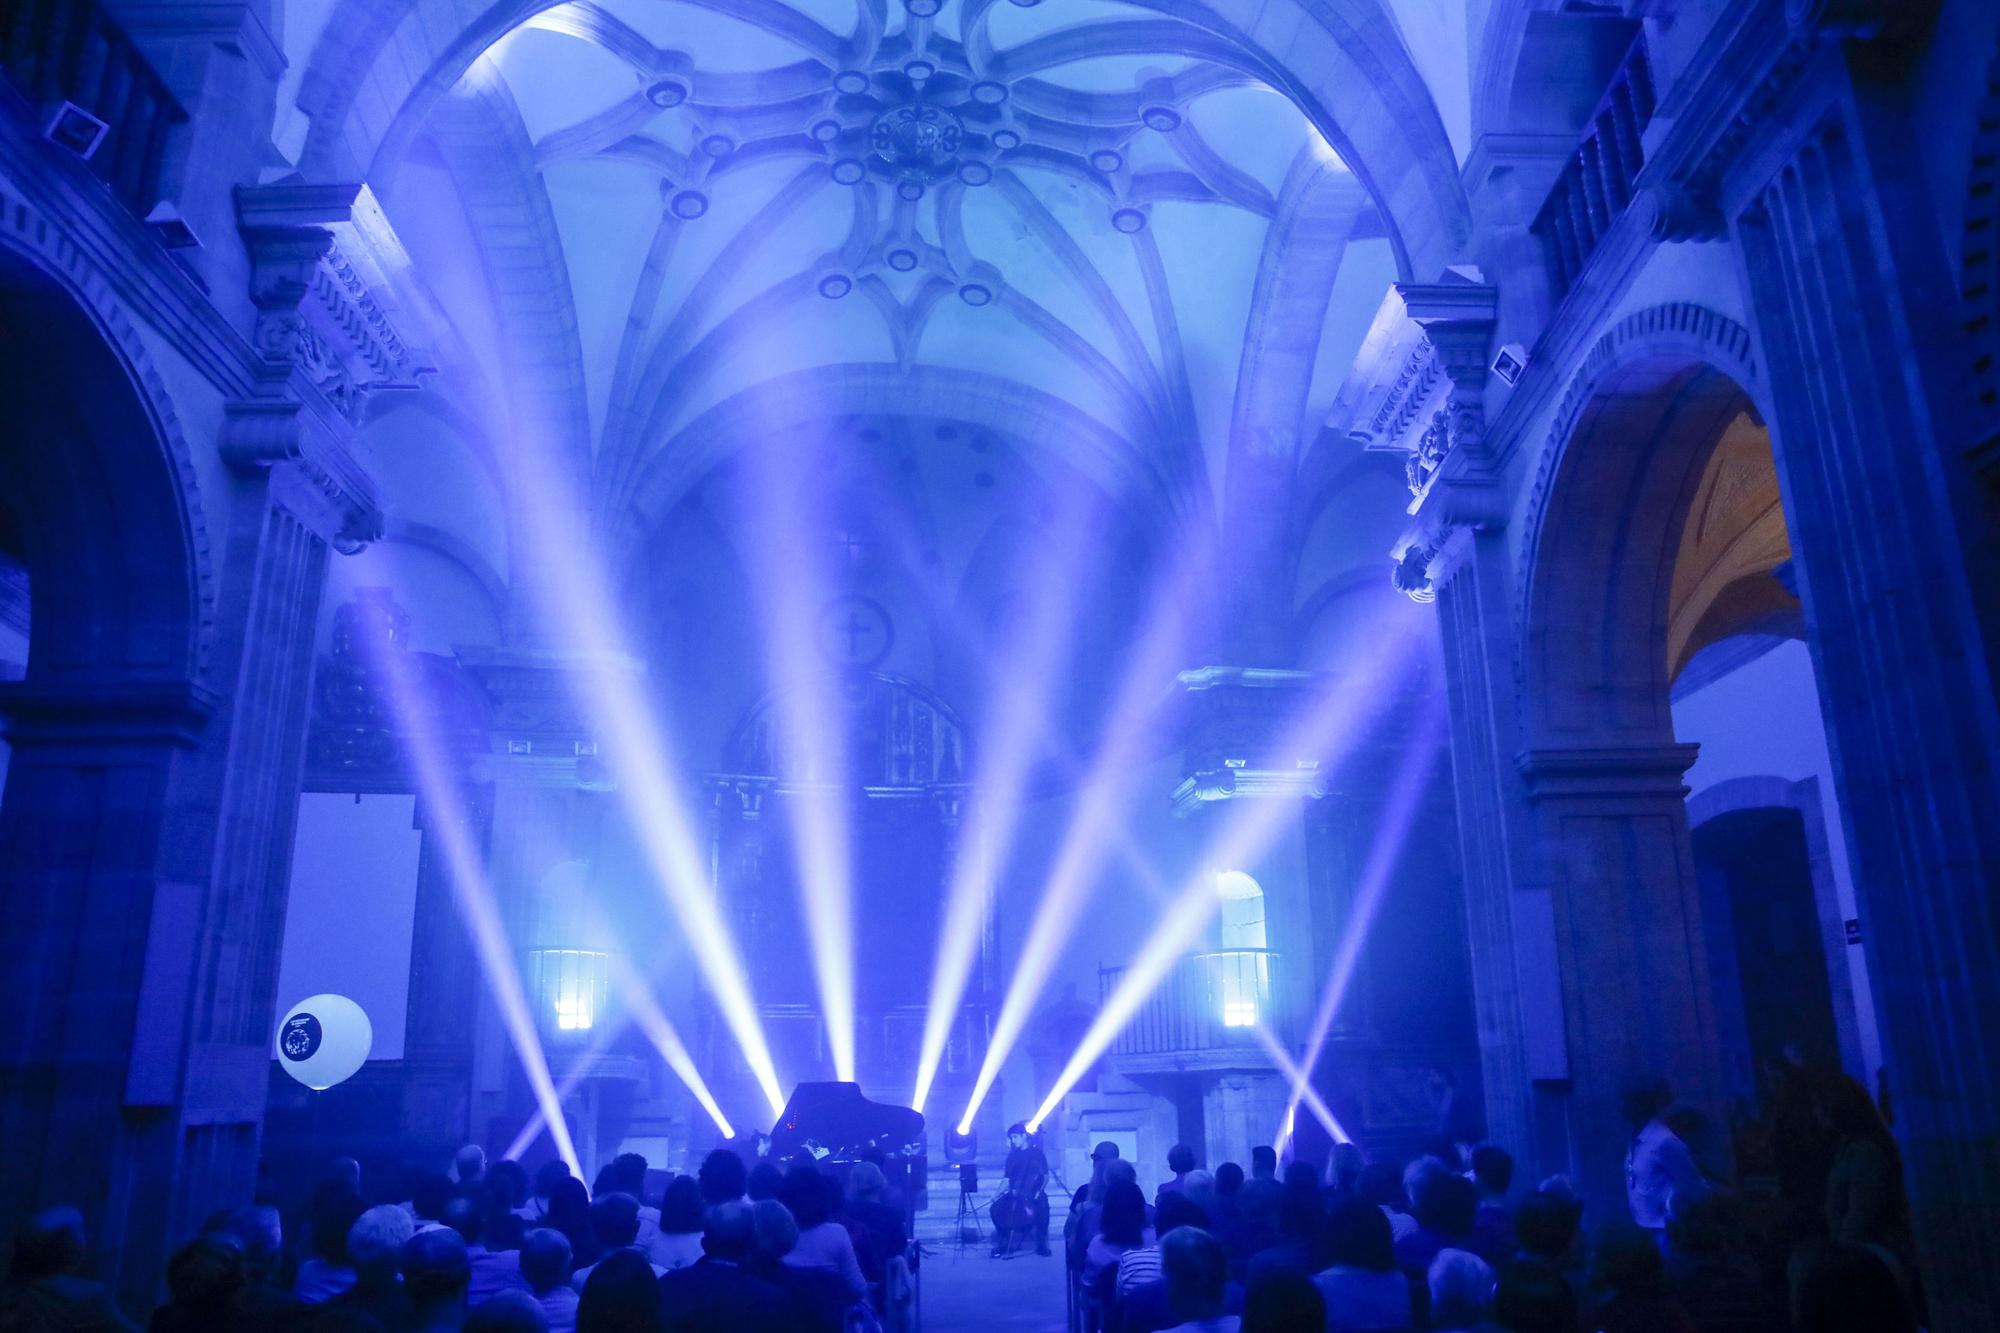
(1890, 544)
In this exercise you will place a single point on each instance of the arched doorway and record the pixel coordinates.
(1633, 563)
(100, 544)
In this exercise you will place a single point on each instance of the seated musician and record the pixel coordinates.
(1027, 1173)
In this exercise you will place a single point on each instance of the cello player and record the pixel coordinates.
(1027, 1172)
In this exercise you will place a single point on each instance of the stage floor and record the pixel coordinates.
(1023, 1294)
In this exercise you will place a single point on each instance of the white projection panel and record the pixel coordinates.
(354, 896)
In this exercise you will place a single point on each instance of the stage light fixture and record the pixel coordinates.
(961, 1146)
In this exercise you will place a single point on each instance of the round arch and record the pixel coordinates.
(381, 65)
(808, 398)
(1605, 519)
(121, 584)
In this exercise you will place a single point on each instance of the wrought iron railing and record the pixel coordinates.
(58, 51)
(1595, 188)
(1208, 1002)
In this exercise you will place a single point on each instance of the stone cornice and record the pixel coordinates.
(155, 288)
(99, 713)
(1236, 784)
(1600, 770)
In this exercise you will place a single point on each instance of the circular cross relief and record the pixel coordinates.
(854, 631)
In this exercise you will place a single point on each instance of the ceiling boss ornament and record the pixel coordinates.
(919, 142)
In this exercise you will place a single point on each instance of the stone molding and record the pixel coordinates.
(1679, 329)
(1596, 772)
(106, 713)
(1979, 276)
(44, 244)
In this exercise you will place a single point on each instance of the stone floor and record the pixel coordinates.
(1023, 1294)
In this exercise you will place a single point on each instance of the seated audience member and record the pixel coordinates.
(1343, 1169)
(627, 1175)
(763, 1182)
(721, 1177)
(1841, 1287)
(1461, 1292)
(1180, 1161)
(1087, 1204)
(718, 1295)
(1362, 1288)
(614, 1221)
(823, 1242)
(536, 1207)
(879, 1224)
(428, 1197)
(1545, 1226)
(1281, 1302)
(1382, 1186)
(1631, 1281)
(1196, 1272)
(264, 1300)
(468, 1165)
(818, 1299)
(622, 1296)
(1533, 1298)
(507, 1312)
(435, 1274)
(1199, 1187)
(1446, 1207)
(569, 1213)
(1122, 1229)
(1658, 1163)
(375, 1246)
(1709, 1272)
(505, 1189)
(1263, 1177)
(1301, 1230)
(1254, 1229)
(678, 1241)
(326, 1271)
(47, 1287)
(1228, 1188)
(545, 1267)
(493, 1271)
(203, 1278)
(1493, 1224)
(1138, 1292)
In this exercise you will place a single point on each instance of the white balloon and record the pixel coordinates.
(324, 1040)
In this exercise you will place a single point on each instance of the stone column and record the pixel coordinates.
(1517, 1002)
(438, 1098)
(1853, 299)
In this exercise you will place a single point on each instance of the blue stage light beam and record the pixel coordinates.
(1330, 731)
(572, 597)
(472, 893)
(789, 592)
(1311, 1099)
(1015, 728)
(1399, 813)
(1072, 875)
(640, 1002)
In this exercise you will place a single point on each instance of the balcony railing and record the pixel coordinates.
(56, 51)
(1209, 1002)
(1595, 187)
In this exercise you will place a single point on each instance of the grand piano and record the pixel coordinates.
(838, 1127)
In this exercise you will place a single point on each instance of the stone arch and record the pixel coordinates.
(1605, 514)
(123, 584)
(808, 398)
(381, 64)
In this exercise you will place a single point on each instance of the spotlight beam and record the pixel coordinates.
(1332, 728)
(1398, 817)
(575, 598)
(1081, 854)
(1313, 1101)
(472, 894)
(790, 592)
(1014, 732)
(644, 1007)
